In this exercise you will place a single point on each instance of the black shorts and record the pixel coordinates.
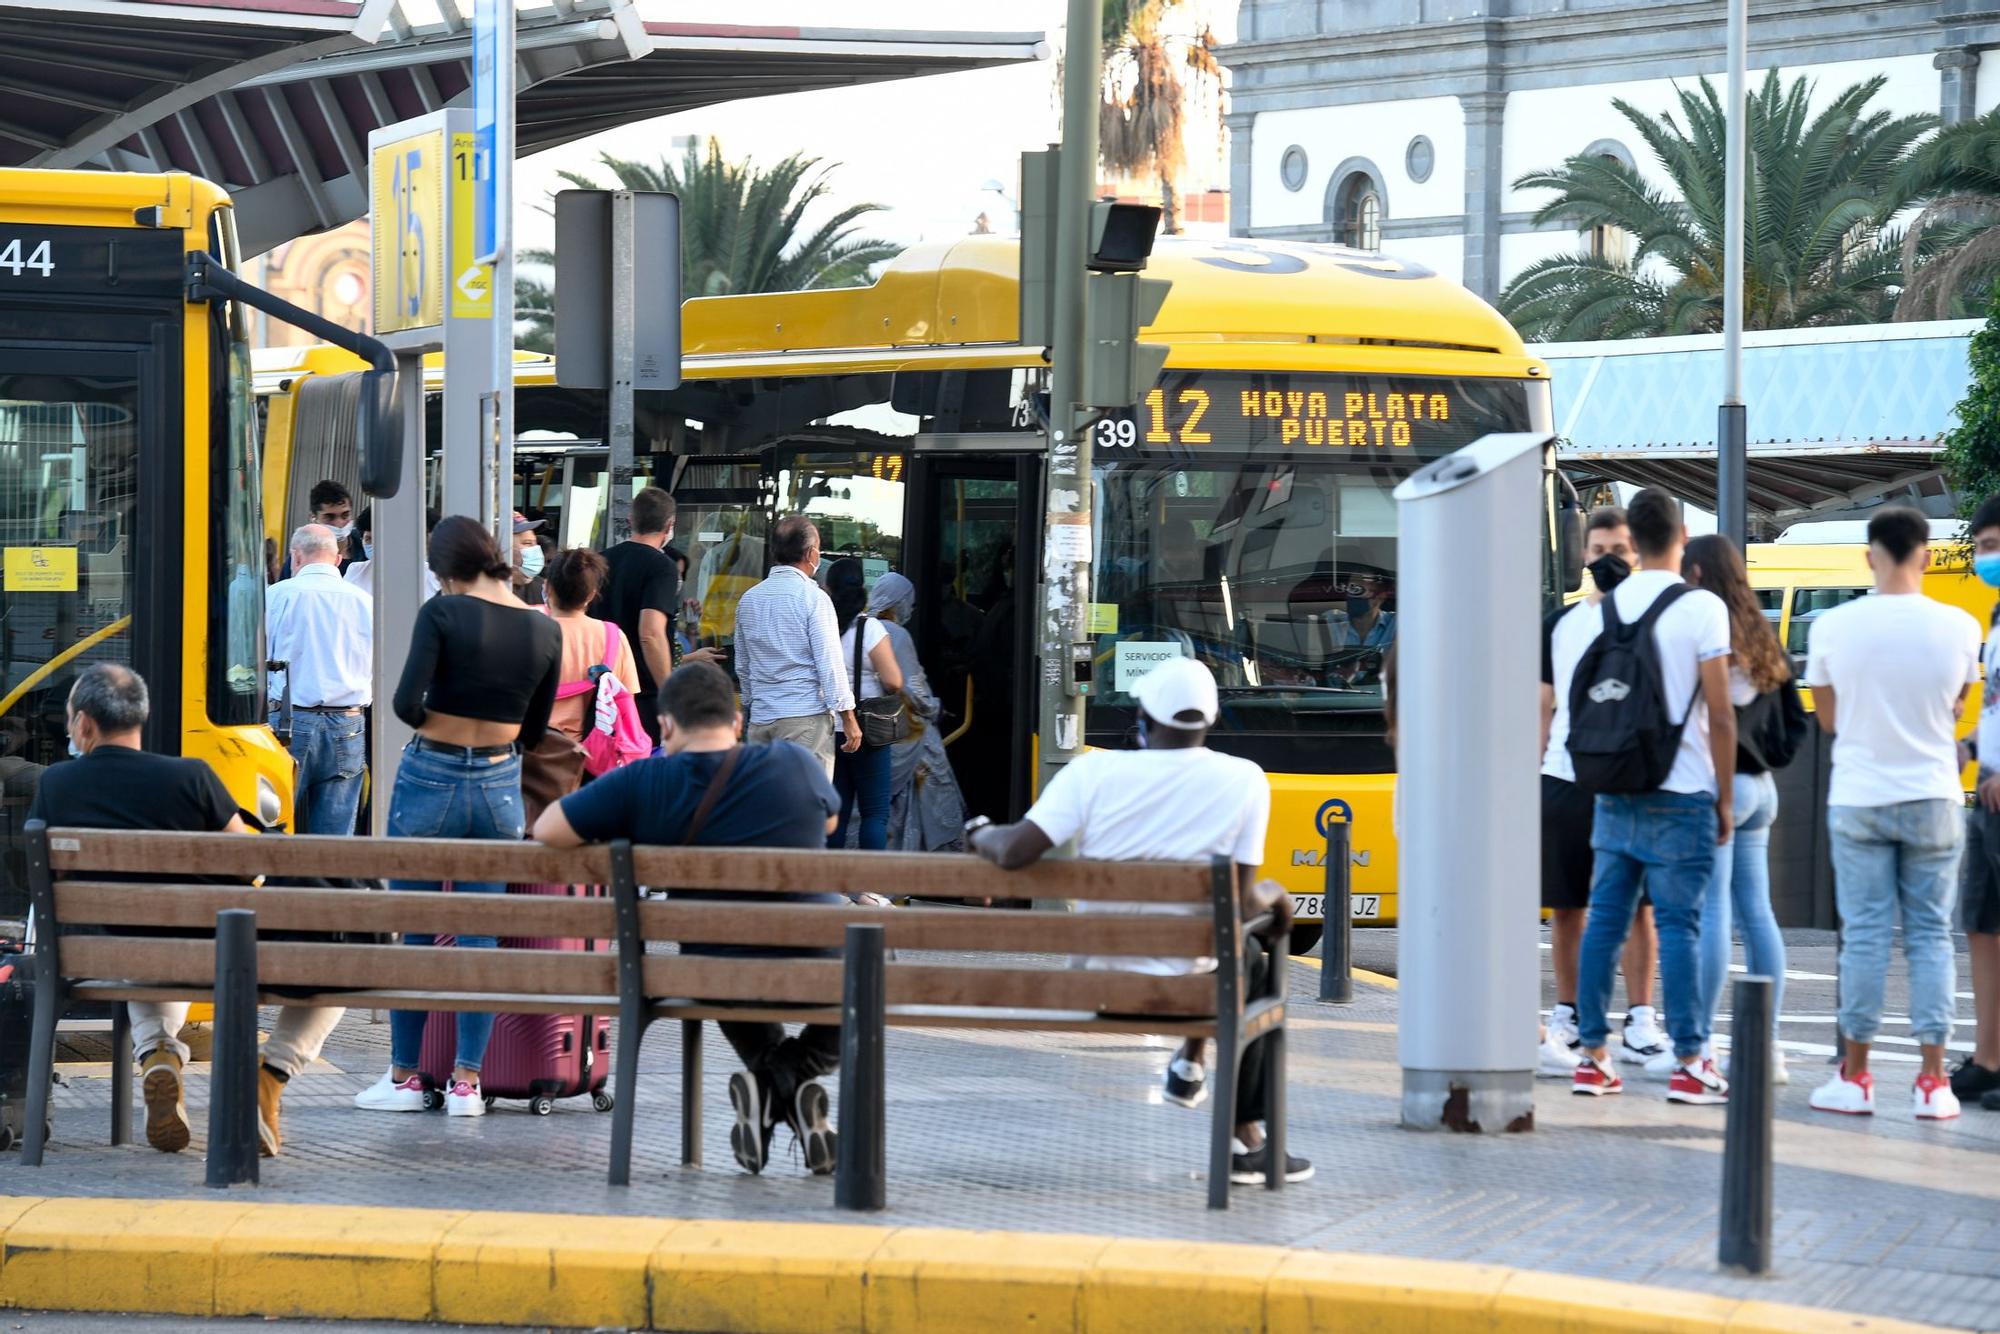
(1566, 854)
(1979, 874)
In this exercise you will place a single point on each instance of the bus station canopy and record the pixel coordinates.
(285, 127)
(1836, 417)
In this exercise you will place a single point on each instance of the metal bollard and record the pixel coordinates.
(1336, 948)
(232, 1091)
(1745, 1241)
(859, 1175)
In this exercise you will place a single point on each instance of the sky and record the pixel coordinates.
(925, 149)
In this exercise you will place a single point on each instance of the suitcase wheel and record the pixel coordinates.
(489, 1099)
(433, 1099)
(6, 1138)
(601, 1101)
(541, 1106)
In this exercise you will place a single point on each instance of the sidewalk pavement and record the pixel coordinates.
(1056, 1133)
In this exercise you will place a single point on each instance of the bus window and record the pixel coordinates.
(1771, 601)
(236, 574)
(720, 525)
(855, 499)
(1807, 604)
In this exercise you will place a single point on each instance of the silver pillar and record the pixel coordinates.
(1469, 822)
(1731, 447)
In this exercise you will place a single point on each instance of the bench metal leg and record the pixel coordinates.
(625, 1094)
(859, 1170)
(690, 1093)
(1274, 1106)
(631, 1010)
(42, 1067)
(121, 1074)
(1222, 1127)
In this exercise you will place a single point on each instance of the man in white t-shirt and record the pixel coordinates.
(1171, 800)
(1978, 1076)
(1889, 676)
(1666, 837)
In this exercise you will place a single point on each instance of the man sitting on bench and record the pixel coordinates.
(1173, 799)
(708, 791)
(113, 784)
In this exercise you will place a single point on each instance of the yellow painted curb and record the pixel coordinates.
(1358, 974)
(235, 1257)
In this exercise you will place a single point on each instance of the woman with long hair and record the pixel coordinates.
(1757, 667)
(862, 776)
(477, 687)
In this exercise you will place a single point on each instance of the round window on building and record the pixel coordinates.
(1292, 168)
(1357, 218)
(1419, 158)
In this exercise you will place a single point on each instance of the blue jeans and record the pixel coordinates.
(331, 752)
(451, 796)
(1903, 855)
(864, 777)
(1665, 842)
(1743, 882)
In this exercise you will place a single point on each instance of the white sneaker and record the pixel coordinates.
(1556, 1060)
(1562, 1025)
(1663, 1065)
(1780, 1073)
(463, 1099)
(1642, 1039)
(1932, 1099)
(1849, 1097)
(386, 1095)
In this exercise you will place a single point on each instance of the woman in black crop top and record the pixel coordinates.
(478, 685)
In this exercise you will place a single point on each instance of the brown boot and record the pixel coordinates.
(270, 1088)
(166, 1111)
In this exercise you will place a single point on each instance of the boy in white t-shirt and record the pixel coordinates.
(1889, 675)
(1667, 837)
(1171, 800)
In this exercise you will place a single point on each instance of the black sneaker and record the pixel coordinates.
(1990, 1100)
(750, 1137)
(1186, 1083)
(1972, 1080)
(1248, 1169)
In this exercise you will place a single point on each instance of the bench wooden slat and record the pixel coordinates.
(751, 870)
(984, 930)
(374, 998)
(284, 963)
(818, 982)
(292, 908)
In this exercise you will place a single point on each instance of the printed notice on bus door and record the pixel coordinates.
(1137, 657)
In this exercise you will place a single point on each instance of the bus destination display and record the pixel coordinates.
(1234, 412)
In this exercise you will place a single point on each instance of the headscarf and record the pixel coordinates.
(893, 595)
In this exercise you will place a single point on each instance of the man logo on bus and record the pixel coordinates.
(1330, 811)
(1335, 808)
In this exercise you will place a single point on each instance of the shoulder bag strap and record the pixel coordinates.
(860, 626)
(610, 646)
(710, 797)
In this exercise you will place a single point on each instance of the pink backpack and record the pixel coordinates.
(615, 737)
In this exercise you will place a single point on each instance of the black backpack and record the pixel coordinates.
(1770, 729)
(1621, 736)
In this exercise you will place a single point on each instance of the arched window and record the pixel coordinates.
(1357, 213)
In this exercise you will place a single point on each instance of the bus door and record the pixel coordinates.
(721, 523)
(972, 558)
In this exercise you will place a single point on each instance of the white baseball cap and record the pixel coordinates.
(1175, 688)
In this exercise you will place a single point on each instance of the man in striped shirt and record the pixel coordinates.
(788, 666)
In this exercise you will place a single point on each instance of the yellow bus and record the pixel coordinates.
(1242, 509)
(131, 522)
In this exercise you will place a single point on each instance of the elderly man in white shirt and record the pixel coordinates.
(788, 661)
(323, 627)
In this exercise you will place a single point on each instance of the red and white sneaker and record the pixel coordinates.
(1849, 1097)
(1700, 1085)
(1595, 1078)
(463, 1099)
(1932, 1099)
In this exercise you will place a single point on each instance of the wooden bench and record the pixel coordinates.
(88, 948)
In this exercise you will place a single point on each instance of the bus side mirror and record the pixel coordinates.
(1569, 536)
(379, 431)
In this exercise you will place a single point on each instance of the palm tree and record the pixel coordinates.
(1951, 250)
(1141, 122)
(743, 229)
(1815, 249)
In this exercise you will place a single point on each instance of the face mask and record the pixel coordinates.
(368, 551)
(75, 751)
(1358, 607)
(1987, 567)
(341, 530)
(1609, 571)
(531, 561)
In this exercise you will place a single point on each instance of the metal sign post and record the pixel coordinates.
(1732, 428)
(1469, 829)
(492, 236)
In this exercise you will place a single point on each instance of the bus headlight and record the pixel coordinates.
(270, 806)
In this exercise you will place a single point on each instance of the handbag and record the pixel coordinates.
(885, 719)
(1770, 730)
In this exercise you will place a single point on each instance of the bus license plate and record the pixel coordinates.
(1312, 907)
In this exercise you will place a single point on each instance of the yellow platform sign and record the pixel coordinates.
(471, 281)
(406, 200)
(40, 570)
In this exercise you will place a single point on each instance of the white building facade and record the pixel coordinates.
(1402, 124)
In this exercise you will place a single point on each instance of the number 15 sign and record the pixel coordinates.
(406, 202)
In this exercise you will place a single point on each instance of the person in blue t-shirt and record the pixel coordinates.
(706, 790)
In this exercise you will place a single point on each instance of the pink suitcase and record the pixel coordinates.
(535, 1057)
